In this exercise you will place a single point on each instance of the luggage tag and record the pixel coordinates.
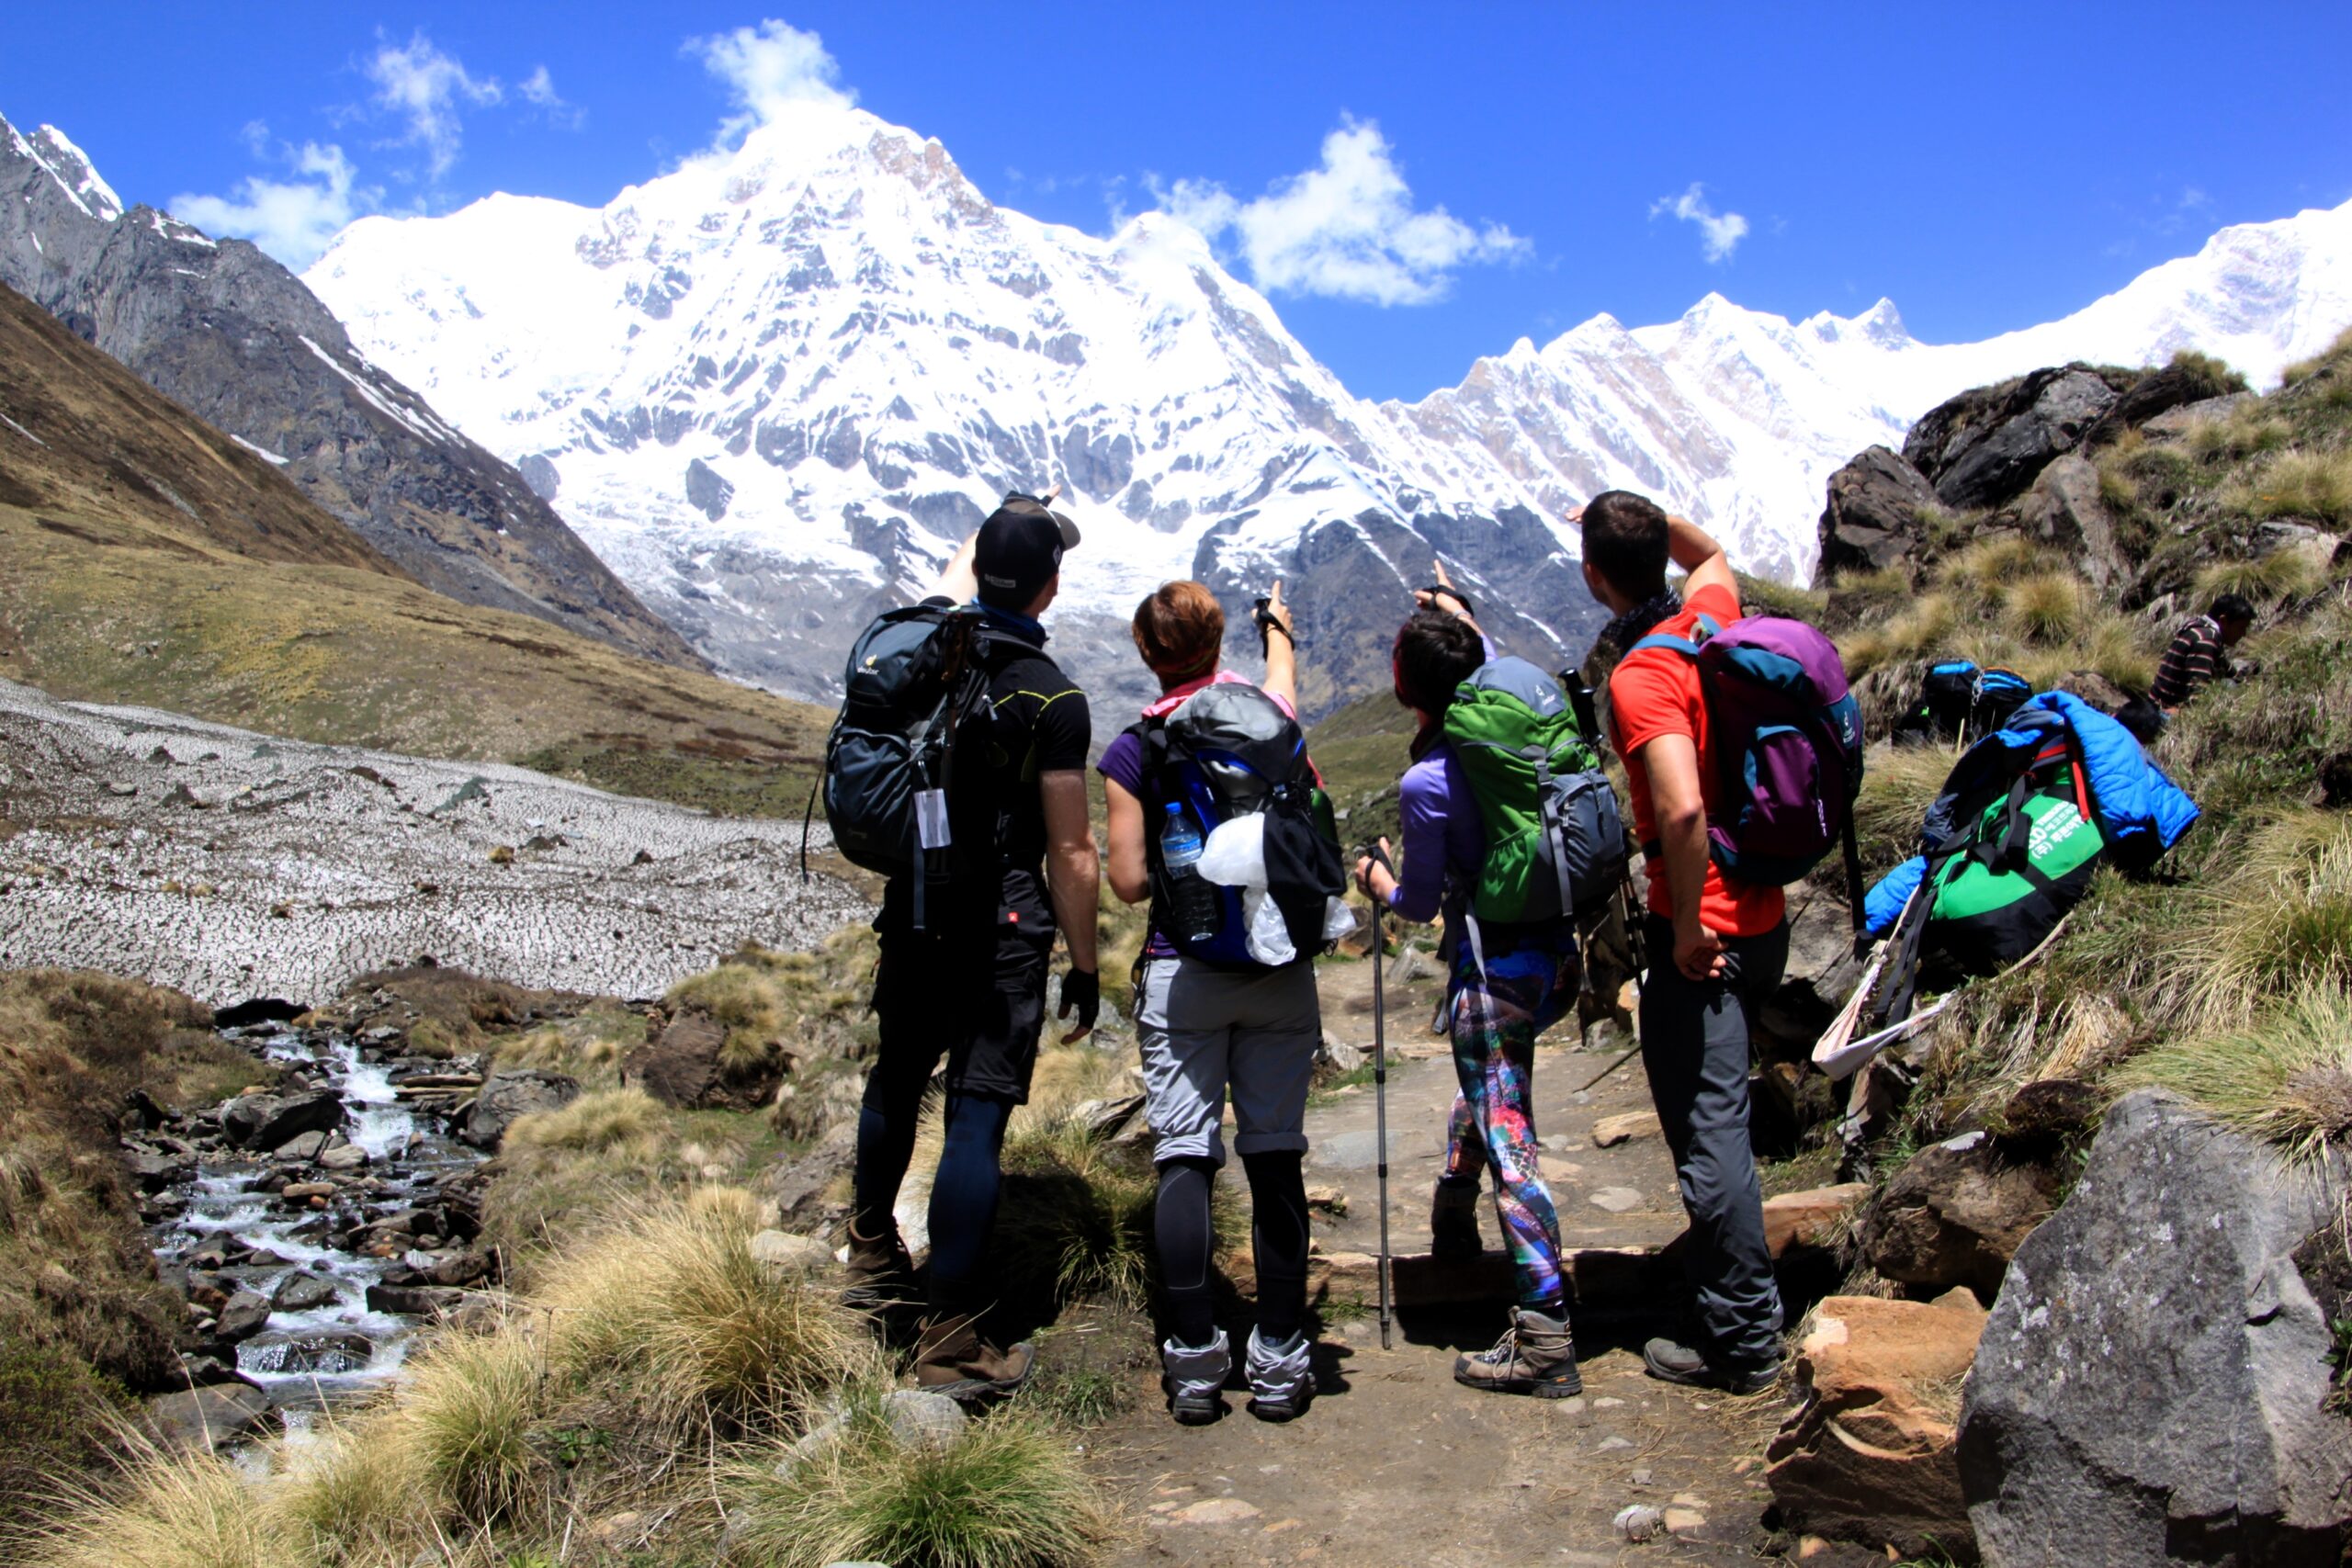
(931, 819)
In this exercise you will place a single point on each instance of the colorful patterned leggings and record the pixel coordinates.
(1495, 1021)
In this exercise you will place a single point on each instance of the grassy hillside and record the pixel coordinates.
(2226, 973)
(147, 559)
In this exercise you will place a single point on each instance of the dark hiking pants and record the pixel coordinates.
(1694, 1044)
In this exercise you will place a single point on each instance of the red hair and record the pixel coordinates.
(1179, 631)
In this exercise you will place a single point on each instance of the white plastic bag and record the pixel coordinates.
(1269, 932)
(1234, 854)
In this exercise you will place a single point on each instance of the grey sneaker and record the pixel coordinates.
(1453, 1222)
(1195, 1377)
(1534, 1356)
(1282, 1377)
(1671, 1363)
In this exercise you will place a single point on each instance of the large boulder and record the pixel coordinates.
(1869, 1453)
(270, 1121)
(507, 1097)
(2062, 510)
(1956, 1214)
(1873, 518)
(1983, 448)
(2151, 1386)
(686, 1065)
(213, 1416)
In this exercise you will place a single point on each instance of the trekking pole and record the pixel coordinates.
(1380, 1085)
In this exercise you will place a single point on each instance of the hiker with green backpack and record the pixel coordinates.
(1509, 829)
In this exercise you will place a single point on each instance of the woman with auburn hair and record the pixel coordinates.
(1203, 1026)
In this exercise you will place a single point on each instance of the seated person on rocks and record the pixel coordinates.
(2199, 650)
(1203, 1026)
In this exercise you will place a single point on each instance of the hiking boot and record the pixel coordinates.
(1282, 1377)
(1195, 1377)
(1453, 1222)
(1534, 1356)
(1671, 1363)
(881, 1274)
(952, 1359)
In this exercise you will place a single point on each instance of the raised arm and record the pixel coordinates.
(1281, 653)
(1693, 550)
(957, 580)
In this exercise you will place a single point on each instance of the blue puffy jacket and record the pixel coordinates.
(2141, 812)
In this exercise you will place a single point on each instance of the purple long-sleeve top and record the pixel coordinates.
(1442, 832)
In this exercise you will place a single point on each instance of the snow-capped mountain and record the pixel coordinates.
(772, 388)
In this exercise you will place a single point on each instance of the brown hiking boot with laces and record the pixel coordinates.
(1534, 1356)
(881, 1275)
(952, 1359)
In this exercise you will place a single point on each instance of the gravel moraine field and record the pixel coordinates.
(230, 864)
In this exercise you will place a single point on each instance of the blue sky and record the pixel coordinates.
(1488, 171)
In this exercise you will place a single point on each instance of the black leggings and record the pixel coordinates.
(1278, 1237)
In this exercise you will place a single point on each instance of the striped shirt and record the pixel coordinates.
(2194, 658)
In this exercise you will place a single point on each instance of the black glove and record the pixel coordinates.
(1082, 989)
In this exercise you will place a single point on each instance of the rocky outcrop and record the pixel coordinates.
(508, 1097)
(1985, 446)
(687, 1065)
(2062, 510)
(1956, 1214)
(1874, 516)
(2151, 1386)
(223, 329)
(1869, 1453)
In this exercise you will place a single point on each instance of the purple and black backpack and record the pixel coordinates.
(1787, 738)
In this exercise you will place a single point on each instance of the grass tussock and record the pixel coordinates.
(1979, 577)
(2242, 434)
(2280, 923)
(2335, 356)
(2286, 1078)
(809, 1003)
(2265, 579)
(626, 1122)
(1006, 1493)
(2297, 484)
(2044, 608)
(177, 1511)
(672, 1304)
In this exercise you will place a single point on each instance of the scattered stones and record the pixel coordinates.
(1870, 1454)
(344, 1158)
(1334, 1057)
(2190, 1419)
(1212, 1511)
(1326, 1200)
(1612, 1131)
(1639, 1522)
(303, 1192)
(1616, 1199)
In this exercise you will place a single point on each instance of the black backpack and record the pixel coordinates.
(1947, 696)
(915, 691)
(1227, 752)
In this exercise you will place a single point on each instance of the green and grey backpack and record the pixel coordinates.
(1555, 844)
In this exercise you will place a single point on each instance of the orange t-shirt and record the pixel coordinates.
(1654, 692)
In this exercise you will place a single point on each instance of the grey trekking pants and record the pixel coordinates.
(1694, 1044)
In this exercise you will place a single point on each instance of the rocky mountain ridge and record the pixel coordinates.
(228, 333)
(773, 386)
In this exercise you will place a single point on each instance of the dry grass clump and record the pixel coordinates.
(1980, 576)
(1006, 1493)
(2325, 359)
(670, 1305)
(176, 1511)
(2296, 484)
(2241, 433)
(1898, 782)
(2044, 607)
(583, 1047)
(627, 1122)
(2281, 922)
(813, 1003)
(462, 1426)
(2285, 1078)
(2265, 579)
(1920, 632)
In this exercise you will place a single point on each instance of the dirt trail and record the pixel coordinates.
(1396, 1464)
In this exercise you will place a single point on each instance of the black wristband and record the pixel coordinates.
(1435, 591)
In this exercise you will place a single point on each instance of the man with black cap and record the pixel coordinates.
(972, 984)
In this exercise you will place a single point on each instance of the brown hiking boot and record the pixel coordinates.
(1453, 1222)
(952, 1359)
(881, 1275)
(1534, 1356)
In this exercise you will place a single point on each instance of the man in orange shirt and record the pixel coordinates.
(1716, 946)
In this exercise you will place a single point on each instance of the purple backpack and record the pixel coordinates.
(1787, 739)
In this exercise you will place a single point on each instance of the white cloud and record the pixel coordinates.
(294, 218)
(432, 90)
(764, 69)
(538, 87)
(1346, 229)
(1719, 233)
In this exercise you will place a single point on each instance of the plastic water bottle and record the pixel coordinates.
(1196, 910)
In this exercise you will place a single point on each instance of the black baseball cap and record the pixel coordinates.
(1020, 549)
